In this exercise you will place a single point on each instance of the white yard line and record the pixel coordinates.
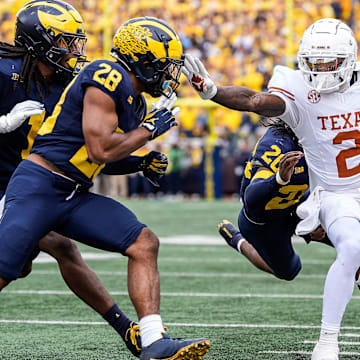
(211, 325)
(260, 275)
(350, 335)
(45, 258)
(305, 352)
(181, 294)
(340, 342)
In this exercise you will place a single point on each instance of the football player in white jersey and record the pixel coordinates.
(321, 103)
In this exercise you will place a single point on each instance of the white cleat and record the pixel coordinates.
(325, 352)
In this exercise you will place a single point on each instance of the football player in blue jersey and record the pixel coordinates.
(99, 120)
(49, 45)
(275, 182)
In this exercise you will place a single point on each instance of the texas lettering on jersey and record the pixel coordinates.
(340, 121)
(331, 139)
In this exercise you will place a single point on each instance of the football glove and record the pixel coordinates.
(18, 114)
(154, 166)
(161, 118)
(198, 77)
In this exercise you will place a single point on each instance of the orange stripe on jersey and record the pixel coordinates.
(286, 93)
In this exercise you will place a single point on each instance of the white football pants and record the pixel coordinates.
(340, 217)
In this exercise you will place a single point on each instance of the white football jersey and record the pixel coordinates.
(327, 126)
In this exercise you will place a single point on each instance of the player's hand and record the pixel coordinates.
(165, 102)
(154, 166)
(162, 117)
(198, 77)
(287, 164)
(19, 113)
(318, 234)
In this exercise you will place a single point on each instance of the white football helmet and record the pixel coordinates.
(327, 55)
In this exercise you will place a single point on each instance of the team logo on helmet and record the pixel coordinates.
(314, 96)
(130, 40)
(152, 50)
(51, 30)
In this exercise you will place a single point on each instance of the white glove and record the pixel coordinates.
(167, 103)
(198, 77)
(18, 114)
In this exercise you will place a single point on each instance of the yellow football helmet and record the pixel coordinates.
(50, 29)
(152, 51)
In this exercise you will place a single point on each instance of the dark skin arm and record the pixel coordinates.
(244, 99)
(100, 122)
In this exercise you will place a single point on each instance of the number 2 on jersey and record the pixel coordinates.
(343, 155)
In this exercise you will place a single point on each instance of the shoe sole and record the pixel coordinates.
(193, 351)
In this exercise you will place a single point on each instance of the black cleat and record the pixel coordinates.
(230, 233)
(174, 349)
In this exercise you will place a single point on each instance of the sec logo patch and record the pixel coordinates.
(314, 96)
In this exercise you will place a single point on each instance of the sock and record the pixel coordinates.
(238, 246)
(118, 320)
(151, 328)
(329, 334)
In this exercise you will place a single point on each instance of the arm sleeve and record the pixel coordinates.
(128, 165)
(260, 191)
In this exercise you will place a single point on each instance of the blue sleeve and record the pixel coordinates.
(128, 165)
(260, 191)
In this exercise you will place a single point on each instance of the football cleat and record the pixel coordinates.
(174, 349)
(357, 280)
(230, 233)
(132, 339)
(325, 352)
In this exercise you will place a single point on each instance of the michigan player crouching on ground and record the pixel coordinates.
(275, 182)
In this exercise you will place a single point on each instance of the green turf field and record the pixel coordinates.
(207, 290)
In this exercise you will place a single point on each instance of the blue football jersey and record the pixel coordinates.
(16, 145)
(281, 199)
(61, 139)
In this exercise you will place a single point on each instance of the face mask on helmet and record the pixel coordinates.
(152, 51)
(327, 55)
(53, 32)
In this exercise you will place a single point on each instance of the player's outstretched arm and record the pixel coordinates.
(244, 99)
(104, 142)
(234, 97)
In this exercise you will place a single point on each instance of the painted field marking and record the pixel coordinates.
(219, 295)
(340, 342)
(45, 258)
(95, 323)
(260, 275)
(305, 352)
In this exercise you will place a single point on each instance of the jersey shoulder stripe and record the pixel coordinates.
(273, 89)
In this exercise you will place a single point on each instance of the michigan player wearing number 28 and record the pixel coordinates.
(98, 120)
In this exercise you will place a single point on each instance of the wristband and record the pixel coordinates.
(279, 180)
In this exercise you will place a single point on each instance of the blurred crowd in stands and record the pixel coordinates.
(240, 42)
